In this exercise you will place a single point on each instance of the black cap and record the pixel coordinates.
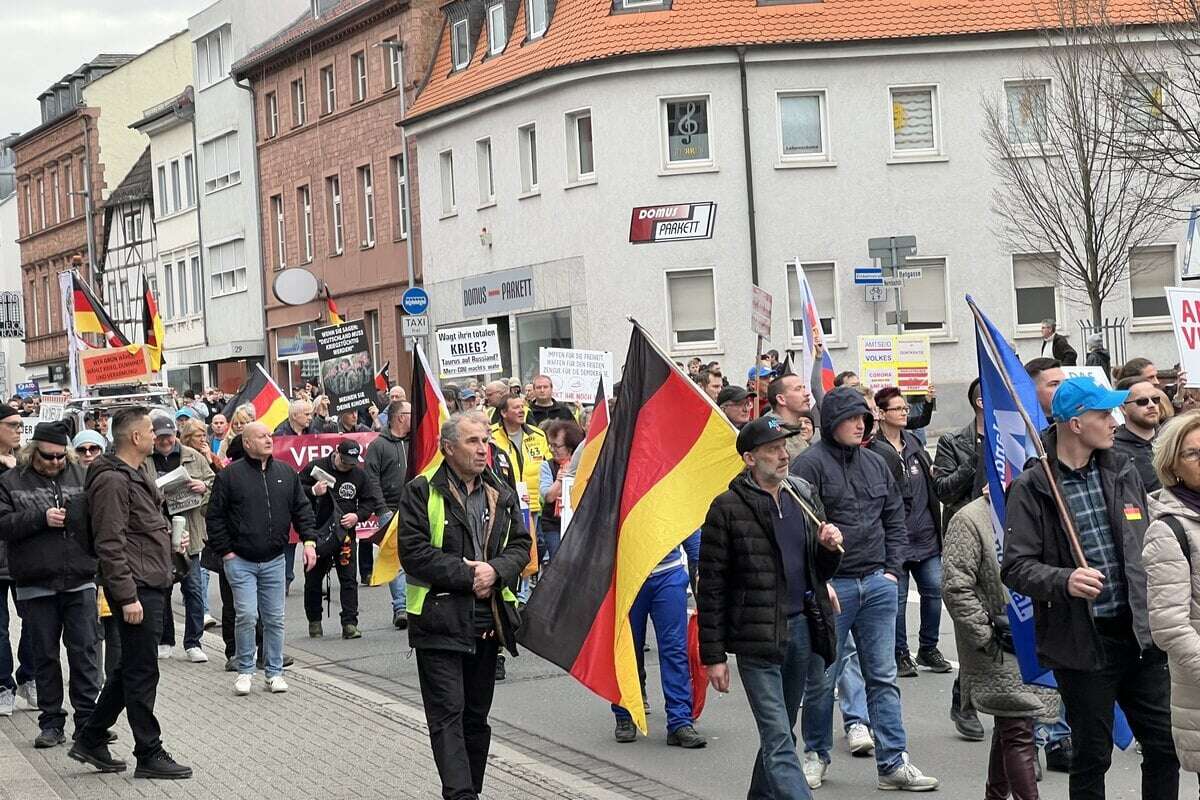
(7, 411)
(349, 448)
(733, 394)
(763, 430)
(52, 432)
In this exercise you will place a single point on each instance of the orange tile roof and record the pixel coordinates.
(583, 31)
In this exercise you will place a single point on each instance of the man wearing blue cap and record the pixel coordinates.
(1093, 628)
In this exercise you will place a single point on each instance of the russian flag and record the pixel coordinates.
(812, 324)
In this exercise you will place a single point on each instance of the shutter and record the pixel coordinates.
(693, 307)
(1150, 271)
(925, 297)
(912, 119)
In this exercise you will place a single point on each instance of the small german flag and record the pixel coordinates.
(90, 316)
(270, 403)
(335, 316)
(152, 326)
(382, 381)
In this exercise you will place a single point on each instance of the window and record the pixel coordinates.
(333, 190)
(391, 76)
(164, 207)
(914, 120)
(221, 162)
(181, 275)
(527, 145)
(822, 281)
(304, 213)
(497, 30)
(189, 178)
(460, 46)
(272, 115)
(168, 291)
(534, 332)
(925, 297)
(692, 308)
(70, 191)
(358, 64)
(212, 57)
(581, 163)
(328, 91)
(1150, 270)
(176, 188)
(802, 126)
(35, 327)
(535, 18)
(132, 226)
(371, 320)
(28, 211)
(1026, 101)
(483, 163)
(1034, 289)
(1144, 100)
(50, 326)
(449, 202)
(686, 135)
(280, 233)
(57, 205)
(366, 190)
(197, 285)
(41, 189)
(400, 200)
(298, 108)
(227, 265)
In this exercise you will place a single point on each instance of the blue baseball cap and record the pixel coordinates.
(758, 372)
(1074, 396)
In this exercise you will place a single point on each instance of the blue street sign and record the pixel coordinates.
(868, 276)
(415, 301)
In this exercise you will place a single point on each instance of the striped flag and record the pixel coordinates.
(90, 316)
(597, 429)
(812, 324)
(335, 316)
(668, 452)
(152, 326)
(269, 401)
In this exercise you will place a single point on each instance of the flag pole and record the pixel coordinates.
(1035, 435)
(671, 364)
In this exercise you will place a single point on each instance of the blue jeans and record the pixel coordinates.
(397, 587)
(869, 611)
(257, 592)
(24, 645)
(204, 587)
(192, 587)
(775, 693)
(928, 574)
(663, 598)
(852, 692)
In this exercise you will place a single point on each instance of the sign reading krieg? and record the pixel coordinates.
(673, 223)
(469, 351)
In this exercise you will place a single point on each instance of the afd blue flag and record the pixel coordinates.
(1007, 446)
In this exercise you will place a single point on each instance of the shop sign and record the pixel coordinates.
(498, 293)
(672, 223)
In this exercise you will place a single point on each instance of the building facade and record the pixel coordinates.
(12, 320)
(128, 252)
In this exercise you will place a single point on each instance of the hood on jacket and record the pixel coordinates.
(1125, 435)
(107, 463)
(1165, 504)
(839, 405)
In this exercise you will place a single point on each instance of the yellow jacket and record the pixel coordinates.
(527, 460)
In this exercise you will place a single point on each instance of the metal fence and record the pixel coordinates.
(1115, 331)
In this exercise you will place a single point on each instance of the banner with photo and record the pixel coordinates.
(347, 374)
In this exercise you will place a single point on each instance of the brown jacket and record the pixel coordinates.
(132, 539)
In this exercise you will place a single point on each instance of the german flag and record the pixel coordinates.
(335, 316)
(424, 456)
(597, 429)
(152, 326)
(668, 452)
(270, 403)
(382, 380)
(90, 316)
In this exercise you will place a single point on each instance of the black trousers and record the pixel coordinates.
(347, 588)
(133, 685)
(229, 618)
(65, 618)
(112, 643)
(1142, 685)
(456, 689)
(366, 558)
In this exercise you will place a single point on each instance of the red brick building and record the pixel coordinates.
(331, 180)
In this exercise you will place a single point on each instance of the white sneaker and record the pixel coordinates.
(210, 621)
(907, 779)
(277, 685)
(27, 691)
(815, 769)
(8, 700)
(859, 738)
(196, 655)
(241, 686)
(164, 651)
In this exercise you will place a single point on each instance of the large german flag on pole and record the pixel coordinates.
(152, 326)
(270, 403)
(90, 316)
(597, 430)
(668, 452)
(335, 316)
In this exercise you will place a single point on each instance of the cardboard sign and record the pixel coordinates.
(760, 312)
(52, 408)
(115, 365)
(1185, 321)
(298, 451)
(463, 352)
(576, 373)
(901, 361)
(347, 375)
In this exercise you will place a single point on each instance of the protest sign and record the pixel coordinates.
(115, 365)
(901, 361)
(1185, 321)
(28, 389)
(468, 351)
(576, 373)
(347, 375)
(298, 451)
(52, 408)
(27, 426)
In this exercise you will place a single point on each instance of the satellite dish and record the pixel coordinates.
(296, 286)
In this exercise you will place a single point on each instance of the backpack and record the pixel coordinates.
(1180, 536)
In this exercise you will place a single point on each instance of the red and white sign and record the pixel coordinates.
(760, 312)
(298, 451)
(674, 223)
(1185, 319)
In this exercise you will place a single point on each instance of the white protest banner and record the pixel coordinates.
(760, 312)
(464, 352)
(52, 408)
(576, 373)
(27, 426)
(1185, 320)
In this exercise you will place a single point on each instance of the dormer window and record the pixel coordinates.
(497, 31)
(641, 5)
(535, 18)
(460, 46)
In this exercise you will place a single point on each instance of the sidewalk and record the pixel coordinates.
(325, 738)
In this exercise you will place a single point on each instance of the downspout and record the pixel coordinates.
(200, 228)
(741, 56)
(258, 217)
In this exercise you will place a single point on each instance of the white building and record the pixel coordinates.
(12, 320)
(128, 249)
(544, 125)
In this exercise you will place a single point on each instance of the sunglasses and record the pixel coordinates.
(87, 450)
(51, 456)
(1141, 401)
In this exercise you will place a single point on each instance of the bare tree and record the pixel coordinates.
(1067, 188)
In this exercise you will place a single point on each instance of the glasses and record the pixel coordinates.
(1141, 401)
(83, 451)
(1189, 456)
(904, 409)
(16, 426)
(50, 456)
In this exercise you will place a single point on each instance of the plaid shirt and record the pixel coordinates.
(1085, 499)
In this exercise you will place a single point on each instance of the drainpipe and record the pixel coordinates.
(199, 227)
(258, 215)
(741, 56)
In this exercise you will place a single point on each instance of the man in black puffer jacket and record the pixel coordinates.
(764, 564)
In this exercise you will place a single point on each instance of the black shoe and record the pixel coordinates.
(97, 756)
(1058, 755)
(288, 661)
(109, 736)
(231, 664)
(366, 581)
(400, 620)
(645, 704)
(905, 668)
(934, 660)
(686, 737)
(625, 732)
(351, 632)
(500, 672)
(965, 722)
(1037, 763)
(51, 737)
(162, 766)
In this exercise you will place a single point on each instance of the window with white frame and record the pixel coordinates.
(299, 103)
(132, 226)
(925, 297)
(41, 190)
(197, 285)
(35, 327)
(483, 165)
(227, 266)
(176, 186)
(460, 45)
(914, 120)
(305, 215)
(333, 191)
(400, 197)
(371, 323)
(272, 115)
(1151, 270)
(70, 190)
(802, 126)
(28, 210)
(391, 75)
(212, 57)
(449, 201)
(822, 281)
(328, 90)
(1144, 99)
(686, 139)
(535, 18)
(280, 232)
(189, 180)
(366, 192)
(581, 160)
(527, 149)
(1027, 108)
(50, 327)
(358, 69)
(497, 30)
(184, 286)
(640, 4)
(1034, 290)
(164, 201)
(55, 189)
(692, 308)
(221, 162)
(168, 310)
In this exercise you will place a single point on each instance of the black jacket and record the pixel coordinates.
(557, 410)
(958, 474)
(285, 428)
(905, 481)
(858, 491)
(354, 492)
(1037, 557)
(39, 555)
(251, 510)
(743, 587)
(1060, 348)
(129, 528)
(386, 464)
(1100, 358)
(447, 621)
(1129, 445)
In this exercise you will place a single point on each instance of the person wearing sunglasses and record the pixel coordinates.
(88, 446)
(1135, 439)
(55, 577)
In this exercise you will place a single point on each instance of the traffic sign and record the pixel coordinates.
(876, 294)
(891, 250)
(908, 274)
(413, 326)
(868, 276)
(893, 281)
(415, 301)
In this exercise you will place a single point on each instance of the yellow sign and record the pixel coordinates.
(901, 361)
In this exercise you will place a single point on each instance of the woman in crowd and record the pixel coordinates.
(194, 434)
(243, 415)
(564, 437)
